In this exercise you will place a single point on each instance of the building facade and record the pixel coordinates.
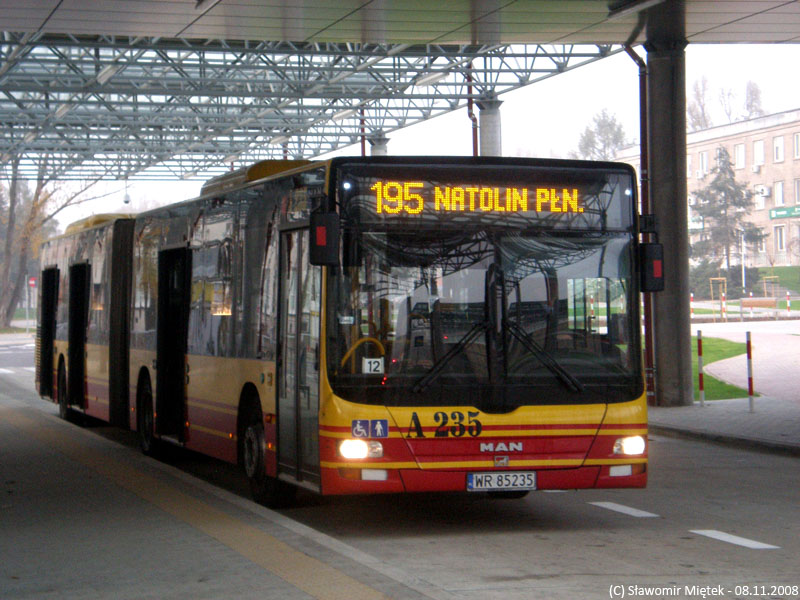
(765, 152)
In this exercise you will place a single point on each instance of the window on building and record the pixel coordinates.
(688, 166)
(777, 149)
(780, 239)
(758, 196)
(797, 191)
(758, 152)
(777, 193)
(762, 245)
(702, 168)
(796, 138)
(738, 156)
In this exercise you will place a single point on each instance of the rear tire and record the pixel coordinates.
(266, 490)
(61, 394)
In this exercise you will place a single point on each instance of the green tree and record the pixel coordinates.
(602, 139)
(723, 205)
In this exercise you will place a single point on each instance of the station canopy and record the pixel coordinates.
(171, 89)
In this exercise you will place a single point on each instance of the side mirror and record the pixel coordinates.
(324, 251)
(651, 261)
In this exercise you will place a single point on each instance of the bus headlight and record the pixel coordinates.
(356, 449)
(634, 444)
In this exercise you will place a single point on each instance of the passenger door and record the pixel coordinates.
(298, 367)
(174, 270)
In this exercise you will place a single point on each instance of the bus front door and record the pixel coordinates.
(174, 279)
(298, 376)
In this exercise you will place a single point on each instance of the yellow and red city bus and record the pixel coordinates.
(383, 324)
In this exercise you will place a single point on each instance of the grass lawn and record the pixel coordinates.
(715, 349)
(13, 330)
(788, 277)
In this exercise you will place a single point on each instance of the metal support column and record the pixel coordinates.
(491, 141)
(666, 93)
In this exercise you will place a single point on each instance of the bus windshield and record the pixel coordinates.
(489, 310)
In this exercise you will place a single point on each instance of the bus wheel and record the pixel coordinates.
(266, 490)
(63, 402)
(145, 423)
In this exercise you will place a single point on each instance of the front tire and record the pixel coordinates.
(266, 490)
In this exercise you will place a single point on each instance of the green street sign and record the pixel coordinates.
(784, 212)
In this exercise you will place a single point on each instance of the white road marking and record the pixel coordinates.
(31, 369)
(733, 539)
(633, 512)
(6, 371)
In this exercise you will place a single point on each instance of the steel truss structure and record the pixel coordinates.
(120, 108)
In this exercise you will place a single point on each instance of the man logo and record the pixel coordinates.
(501, 447)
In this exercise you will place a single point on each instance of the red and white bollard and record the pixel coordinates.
(700, 368)
(750, 373)
(788, 305)
(691, 304)
(724, 308)
(751, 306)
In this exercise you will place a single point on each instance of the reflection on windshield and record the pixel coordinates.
(480, 317)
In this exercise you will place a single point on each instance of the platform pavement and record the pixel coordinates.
(774, 422)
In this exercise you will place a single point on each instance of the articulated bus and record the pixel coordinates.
(367, 325)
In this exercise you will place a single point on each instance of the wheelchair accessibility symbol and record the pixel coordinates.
(374, 428)
(360, 428)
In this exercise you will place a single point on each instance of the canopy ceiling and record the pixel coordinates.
(167, 89)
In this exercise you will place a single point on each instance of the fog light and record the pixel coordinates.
(356, 449)
(620, 470)
(630, 445)
(374, 474)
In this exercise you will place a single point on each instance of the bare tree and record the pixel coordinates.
(26, 213)
(727, 99)
(697, 108)
(752, 101)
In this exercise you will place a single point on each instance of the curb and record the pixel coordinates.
(727, 439)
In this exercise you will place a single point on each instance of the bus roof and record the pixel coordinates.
(94, 221)
(259, 170)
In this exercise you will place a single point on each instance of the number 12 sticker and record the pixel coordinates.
(372, 366)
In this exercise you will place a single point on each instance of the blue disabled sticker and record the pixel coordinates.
(379, 428)
(360, 428)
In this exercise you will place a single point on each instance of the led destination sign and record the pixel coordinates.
(393, 197)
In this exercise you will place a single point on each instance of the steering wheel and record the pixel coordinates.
(363, 340)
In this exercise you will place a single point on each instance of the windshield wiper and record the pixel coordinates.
(440, 364)
(544, 357)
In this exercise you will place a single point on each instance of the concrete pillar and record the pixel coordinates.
(378, 143)
(491, 142)
(666, 116)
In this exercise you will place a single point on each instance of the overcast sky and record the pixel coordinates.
(546, 118)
